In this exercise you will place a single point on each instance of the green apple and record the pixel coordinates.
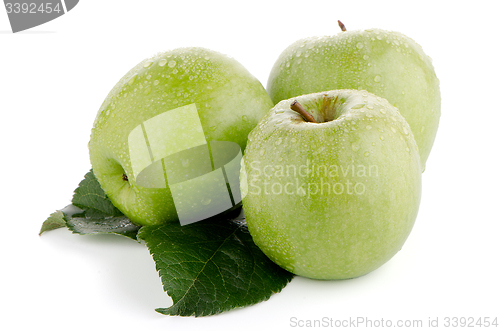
(334, 199)
(177, 101)
(387, 64)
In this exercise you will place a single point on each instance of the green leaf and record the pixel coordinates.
(114, 225)
(91, 213)
(80, 222)
(90, 197)
(211, 266)
(54, 221)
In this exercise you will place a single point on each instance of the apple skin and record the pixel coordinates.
(359, 221)
(229, 100)
(387, 64)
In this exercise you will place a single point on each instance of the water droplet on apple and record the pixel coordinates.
(393, 129)
(355, 147)
(148, 64)
(366, 154)
(262, 151)
(366, 57)
(382, 110)
(162, 62)
(172, 63)
(369, 106)
(132, 79)
(278, 142)
(359, 45)
(206, 201)
(185, 162)
(382, 137)
(368, 127)
(405, 130)
(377, 79)
(244, 118)
(358, 106)
(147, 90)
(293, 140)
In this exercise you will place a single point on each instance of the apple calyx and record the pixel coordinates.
(341, 25)
(296, 106)
(125, 178)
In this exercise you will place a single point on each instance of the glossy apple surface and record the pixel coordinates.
(387, 64)
(182, 99)
(334, 199)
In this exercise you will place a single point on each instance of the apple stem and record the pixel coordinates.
(125, 178)
(299, 109)
(342, 26)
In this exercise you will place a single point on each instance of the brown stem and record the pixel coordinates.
(342, 26)
(299, 109)
(125, 178)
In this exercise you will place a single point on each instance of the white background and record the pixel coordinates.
(54, 77)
